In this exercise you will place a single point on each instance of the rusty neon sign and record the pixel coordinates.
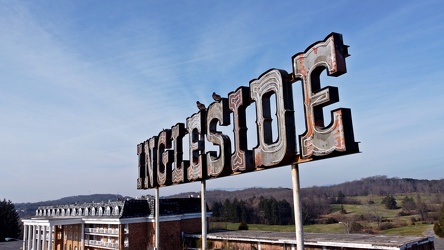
(160, 158)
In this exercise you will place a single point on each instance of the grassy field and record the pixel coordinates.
(413, 230)
(410, 230)
(391, 221)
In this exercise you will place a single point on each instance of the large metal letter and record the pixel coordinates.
(179, 171)
(242, 159)
(319, 140)
(280, 152)
(218, 112)
(165, 158)
(196, 131)
(151, 162)
(141, 166)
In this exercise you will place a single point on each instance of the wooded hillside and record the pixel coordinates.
(375, 185)
(322, 196)
(274, 205)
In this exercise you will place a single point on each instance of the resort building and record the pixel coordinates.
(125, 224)
(130, 224)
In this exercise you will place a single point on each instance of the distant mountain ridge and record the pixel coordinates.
(381, 185)
(244, 194)
(375, 185)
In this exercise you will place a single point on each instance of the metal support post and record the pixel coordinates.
(297, 207)
(156, 216)
(204, 215)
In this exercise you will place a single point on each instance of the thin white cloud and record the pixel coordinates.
(80, 87)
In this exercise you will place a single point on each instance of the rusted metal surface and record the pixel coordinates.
(319, 140)
(196, 130)
(161, 160)
(141, 167)
(165, 158)
(179, 171)
(241, 159)
(269, 153)
(218, 113)
(148, 161)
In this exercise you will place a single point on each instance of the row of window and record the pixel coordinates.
(88, 211)
(72, 235)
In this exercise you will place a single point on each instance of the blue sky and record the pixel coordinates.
(83, 82)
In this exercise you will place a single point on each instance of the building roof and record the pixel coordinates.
(363, 241)
(122, 209)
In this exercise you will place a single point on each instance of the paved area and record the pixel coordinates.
(439, 243)
(11, 245)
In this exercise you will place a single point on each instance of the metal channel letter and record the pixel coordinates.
(141, 166)
(281, 151)
(218, 112)
(242, 158)
(196, 131)
(151, 162)
(165, 158)
(318, 139)
(177, 135)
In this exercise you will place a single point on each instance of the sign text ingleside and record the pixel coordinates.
(160, 158)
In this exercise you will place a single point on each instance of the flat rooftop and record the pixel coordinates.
(366, 241)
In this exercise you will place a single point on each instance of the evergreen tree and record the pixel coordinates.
(217, 209)
(285, 213)
(389, 202)
(439, 226)
(274, 212)
(9, 220)
(343, 211)
(244, 213)
(265, 210)
(341, 198)
(227, 210)
(235, 211)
